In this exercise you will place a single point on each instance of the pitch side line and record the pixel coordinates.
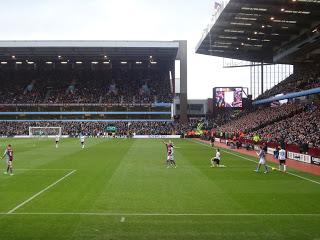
(39, 193)
(248, 159)
(167, 214)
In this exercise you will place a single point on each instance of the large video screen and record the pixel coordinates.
(230, 97)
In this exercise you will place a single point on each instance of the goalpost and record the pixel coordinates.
(44, 131)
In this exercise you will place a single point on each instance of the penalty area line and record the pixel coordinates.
(251, 160)
(39, 193)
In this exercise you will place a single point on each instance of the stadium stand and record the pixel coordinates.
(292, 123)
(92, 129)
(88, 86)
(277, 32)
(247, 122)
(305, 77)
(300, 129)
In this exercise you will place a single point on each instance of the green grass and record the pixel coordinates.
(122, 190)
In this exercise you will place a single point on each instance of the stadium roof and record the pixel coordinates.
(95, 50)
(263, 30)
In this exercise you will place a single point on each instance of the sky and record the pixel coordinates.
(161, 20)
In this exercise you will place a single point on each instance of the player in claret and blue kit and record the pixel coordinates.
(8, 155)
(170, 154)
(262, 160)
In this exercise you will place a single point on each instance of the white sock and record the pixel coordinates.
(284, 167)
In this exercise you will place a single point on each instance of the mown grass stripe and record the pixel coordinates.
(39, 193)
(251, 160)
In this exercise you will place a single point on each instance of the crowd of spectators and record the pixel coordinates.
(300, 129)
(248, 122)
(74, 128)
(305, 77)
(292, 123)
(94, 129)
(85, 86)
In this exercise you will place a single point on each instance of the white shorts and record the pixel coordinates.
(170, 158)
(262, 161)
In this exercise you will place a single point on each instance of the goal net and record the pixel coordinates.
(44, 131)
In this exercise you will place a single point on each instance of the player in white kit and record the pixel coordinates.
(82, 141)
(215, 162)
(282, 160)
(57, 141)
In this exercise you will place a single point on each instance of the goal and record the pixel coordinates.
(44, 131)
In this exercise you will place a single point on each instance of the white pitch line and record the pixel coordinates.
(41, 169)
(248, 159)
(165, 214)
(39, 193)
(304, 178)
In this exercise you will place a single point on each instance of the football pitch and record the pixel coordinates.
(121, 189)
